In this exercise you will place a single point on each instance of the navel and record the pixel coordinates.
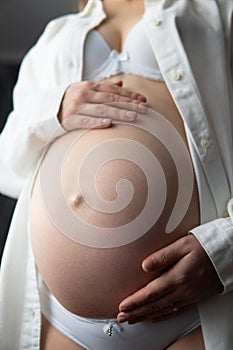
(76, 200)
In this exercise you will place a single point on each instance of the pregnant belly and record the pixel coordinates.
(102, 201)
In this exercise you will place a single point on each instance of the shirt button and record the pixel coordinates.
(176, 76)
(124, 57)
(225, 214)
(156, 22)
(205, 143)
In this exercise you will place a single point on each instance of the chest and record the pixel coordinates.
(121, 18)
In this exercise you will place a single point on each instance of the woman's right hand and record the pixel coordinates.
(88, 105)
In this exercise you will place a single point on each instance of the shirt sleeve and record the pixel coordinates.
(216, 236)
(33, 123)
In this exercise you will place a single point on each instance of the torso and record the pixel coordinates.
(70, 268)
(118, 23)
(91, 282)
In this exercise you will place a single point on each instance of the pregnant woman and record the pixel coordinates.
(127, 184)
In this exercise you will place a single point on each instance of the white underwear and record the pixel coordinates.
(108, 334)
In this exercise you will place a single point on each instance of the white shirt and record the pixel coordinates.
(192, 42)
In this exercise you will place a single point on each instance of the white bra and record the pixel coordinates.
(137, 57)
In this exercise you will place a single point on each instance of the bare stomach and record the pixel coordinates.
(103, 200)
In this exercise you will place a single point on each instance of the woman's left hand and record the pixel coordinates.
(186, 276)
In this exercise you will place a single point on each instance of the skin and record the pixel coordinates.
(79, 98)
(182, 265)
(186, 275)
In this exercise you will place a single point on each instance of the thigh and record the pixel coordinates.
(52, 339)
(191, 341)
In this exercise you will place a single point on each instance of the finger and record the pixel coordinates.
(119, 83)
(85, 122)
(163, 317)
(117, 89)
(152, 312)
(153, 291)
(156, 307)
(136, 106)
(112, 98)
(165, 257)
(106, 111)
(123, 317)
(141, 312)
(160, 315)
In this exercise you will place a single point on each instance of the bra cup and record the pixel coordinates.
(137, 57)
(139, 49)
(96, 51)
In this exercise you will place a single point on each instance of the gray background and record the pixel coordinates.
(21, 22)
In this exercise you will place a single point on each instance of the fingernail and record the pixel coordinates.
(121, 317)
(106, 121)
(142, 108)
(141, 98)
(147, 267)
(130, 115)
(124, 307)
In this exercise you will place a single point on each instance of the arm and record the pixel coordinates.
(216, 237)
(31, 124)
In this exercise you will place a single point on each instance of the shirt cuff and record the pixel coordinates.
(216, 237)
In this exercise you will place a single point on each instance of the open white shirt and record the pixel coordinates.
(192, 42)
